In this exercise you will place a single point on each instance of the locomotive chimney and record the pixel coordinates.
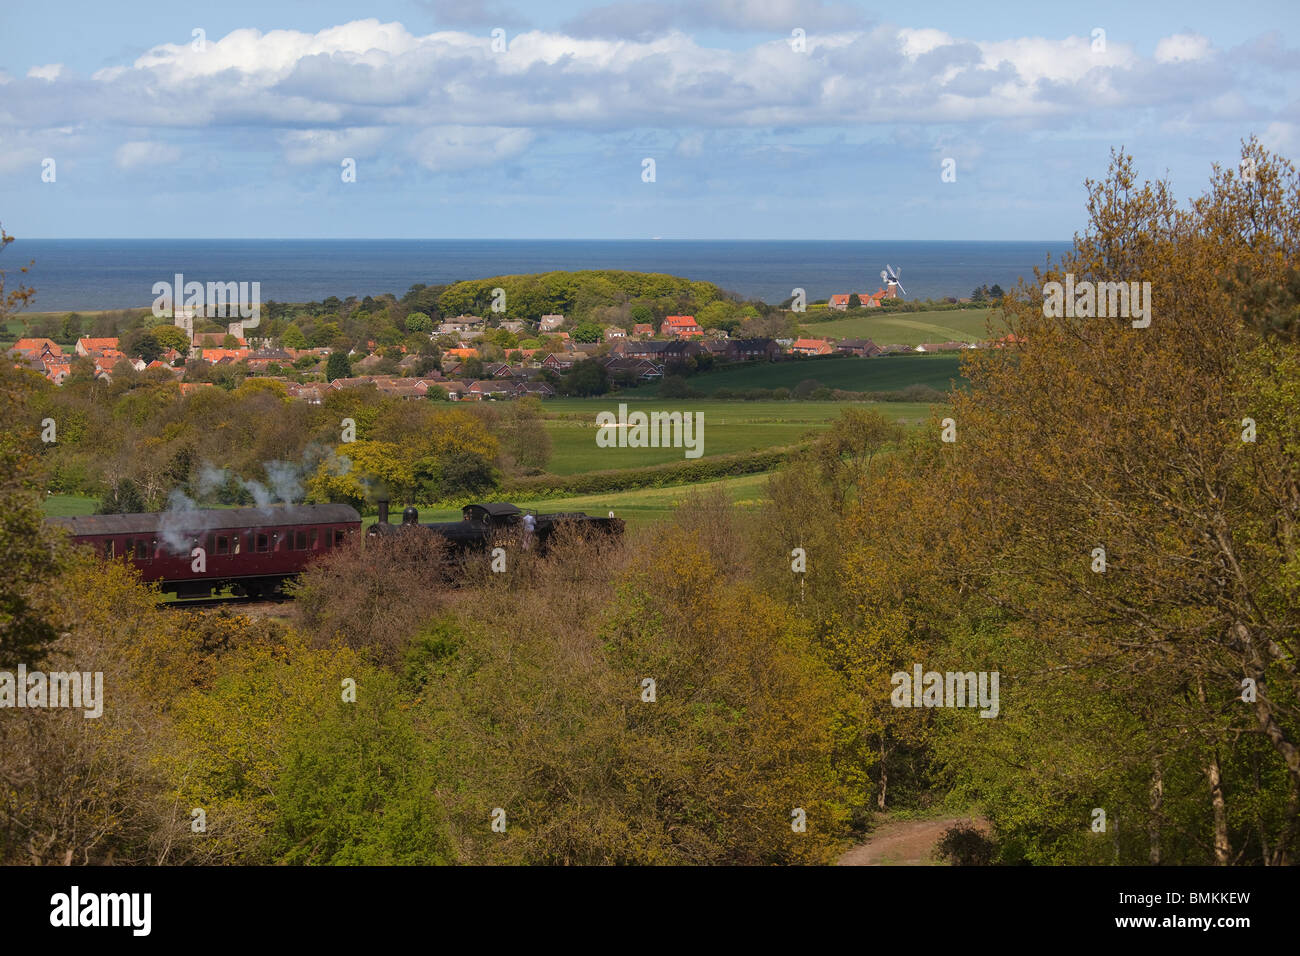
(383, 511)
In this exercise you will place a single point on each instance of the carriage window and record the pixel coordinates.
(339, 537)
(139, 548)
(300, 540)
(235, 543)
(263, 543)
(108, 549)
(220, 543)
(313, 539)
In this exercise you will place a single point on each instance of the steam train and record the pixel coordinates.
(483, 524)
(254, 551)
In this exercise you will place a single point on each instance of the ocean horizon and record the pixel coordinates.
(96, 274)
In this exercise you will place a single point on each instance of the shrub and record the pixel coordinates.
(966, 845)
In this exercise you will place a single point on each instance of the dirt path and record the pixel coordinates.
(903, 843)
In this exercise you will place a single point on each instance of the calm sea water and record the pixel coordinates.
(120, 273)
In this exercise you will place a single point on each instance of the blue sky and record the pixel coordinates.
(153, 134)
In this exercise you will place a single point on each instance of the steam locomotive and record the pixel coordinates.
(483, 524)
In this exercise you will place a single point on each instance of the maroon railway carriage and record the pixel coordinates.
(252, 550)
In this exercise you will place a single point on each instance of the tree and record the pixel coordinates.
(586, 378)
(587, 332)
(293, 338)
(229, 342)
(854, 301)
(338, 366)
(1162, 547)
(28, 624)
(419, 322)
(171, 337)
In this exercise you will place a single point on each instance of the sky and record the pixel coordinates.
(632, 119)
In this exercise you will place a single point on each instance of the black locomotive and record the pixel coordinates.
(483, 525)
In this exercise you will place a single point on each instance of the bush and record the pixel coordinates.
(966, 845)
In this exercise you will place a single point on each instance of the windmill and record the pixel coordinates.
(890, 276)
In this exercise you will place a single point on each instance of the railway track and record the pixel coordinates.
(243, 602)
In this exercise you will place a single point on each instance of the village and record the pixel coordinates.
(456, 367)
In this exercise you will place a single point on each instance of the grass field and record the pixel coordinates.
(884, 374)
(68, 506)
(906, 328)
(729, 427)
(639, 507)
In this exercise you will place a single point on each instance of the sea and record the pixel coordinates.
(90, 274)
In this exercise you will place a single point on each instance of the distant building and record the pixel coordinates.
(863, 347)
(811, 347)
(745, 350)
(681, 326)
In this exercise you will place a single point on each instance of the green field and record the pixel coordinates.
(640, 507)
(906, 328)
(68, 506)
(729, 427)
(884, 374)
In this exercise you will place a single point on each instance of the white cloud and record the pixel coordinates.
(50, 71)
(139, 153)
(1182, 46)
(360, 87)
(302, 147)
(455, 148)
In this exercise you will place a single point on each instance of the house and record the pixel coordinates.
(943, 347)
(896, 350)
(511, 325)
(534, 389)
(614, 333)
(657, 350)
(643, 330)
(38, 347)
(215, 356)
(582, 349)
(550, 323)
(455, 390)
(840, 302)
(745, 350)
(863, 347)
(462, 353)
(310, 393)
(715, 347)
(811, 347)
(680, 326)
(642, 370)
(260, 360)
(499, 370)
(560, 360)
(87, 345)
(59, 367)
(491, 389)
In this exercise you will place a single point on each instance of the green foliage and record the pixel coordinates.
(338, 366)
